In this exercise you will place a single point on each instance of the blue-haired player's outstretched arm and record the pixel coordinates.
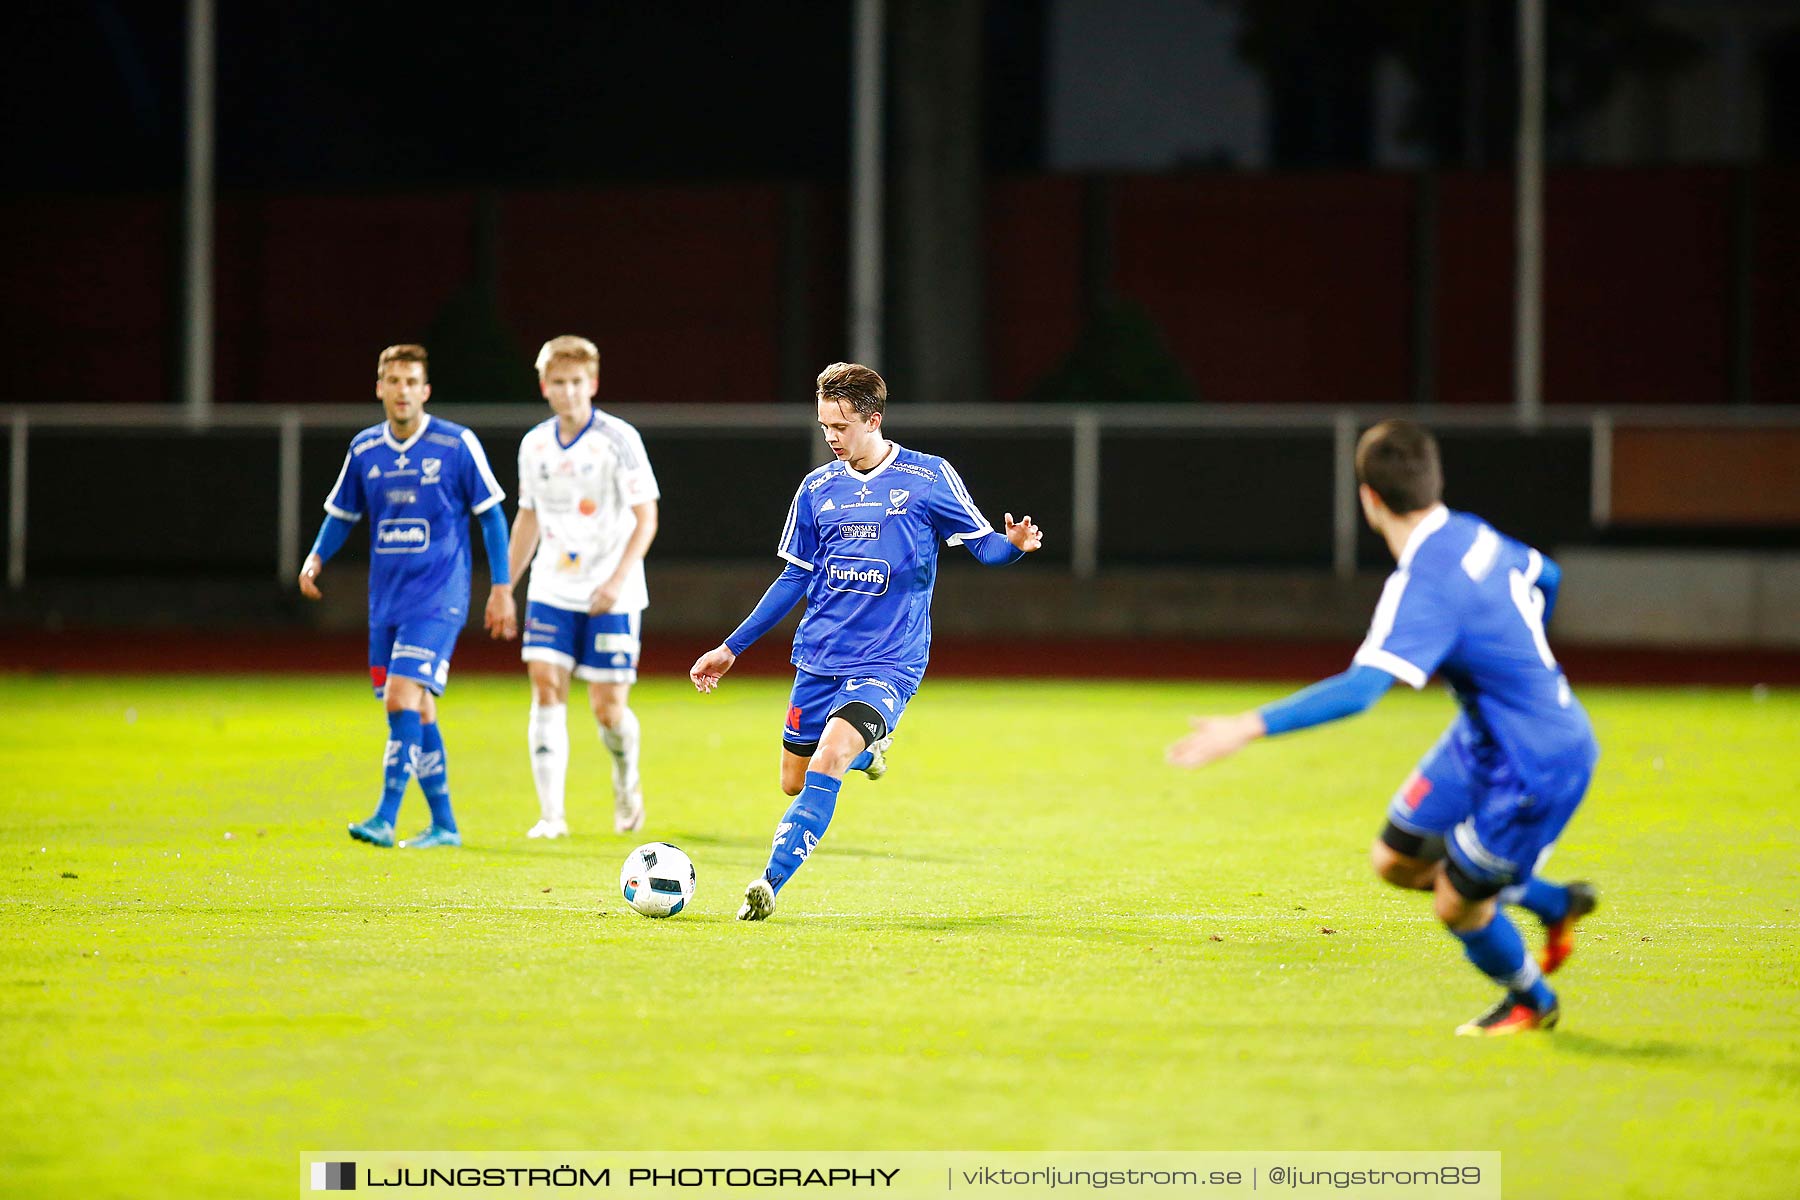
(861, 543)
(1477, 819)
(418, 479)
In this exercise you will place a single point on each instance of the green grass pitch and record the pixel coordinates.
(1030, 935)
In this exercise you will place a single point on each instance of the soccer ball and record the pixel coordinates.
(657, 879)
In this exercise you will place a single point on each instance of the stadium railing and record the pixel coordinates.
(1085, 428)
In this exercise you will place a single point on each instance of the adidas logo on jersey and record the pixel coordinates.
(827, 506)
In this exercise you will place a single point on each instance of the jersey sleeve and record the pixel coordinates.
(1413, 630)
(479, 484)
(527, 492)
(952, 511)
(345, 500)
(800, 533)
(635, 480)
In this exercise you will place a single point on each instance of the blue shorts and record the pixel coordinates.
(600, 649)
(872, 703)
(415, 650)
(1466, 792)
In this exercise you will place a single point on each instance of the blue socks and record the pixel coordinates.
(434, 777)
(398, 763)
(1548, 902)
(802, 827)
(1499, 953)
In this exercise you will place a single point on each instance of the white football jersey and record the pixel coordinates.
(583, 494)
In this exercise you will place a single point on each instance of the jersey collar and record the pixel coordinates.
(556, 430)
(1434, 521)
(387, 433)
(886, 460)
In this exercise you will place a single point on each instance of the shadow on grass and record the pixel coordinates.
(1589, 1046)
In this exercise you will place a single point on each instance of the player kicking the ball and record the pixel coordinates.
(587, 507)
(861, 543)
(1484, 808)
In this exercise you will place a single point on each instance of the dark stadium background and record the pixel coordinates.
(1275, 209)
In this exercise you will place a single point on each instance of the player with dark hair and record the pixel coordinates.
(861, 544)
(418, 478)
(1483, 809)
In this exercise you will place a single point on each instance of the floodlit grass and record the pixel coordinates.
(1031, 934)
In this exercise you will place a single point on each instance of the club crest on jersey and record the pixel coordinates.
(867, 576)
(897, 498)
(430, 468)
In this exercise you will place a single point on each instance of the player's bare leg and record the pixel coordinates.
(1402, 870)
(619, 733)
(547, 738)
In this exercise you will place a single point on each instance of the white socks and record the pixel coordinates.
(622, 743)
(549, 745)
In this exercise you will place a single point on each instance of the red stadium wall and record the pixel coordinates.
(1270, 289)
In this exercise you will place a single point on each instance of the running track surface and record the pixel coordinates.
(119, 652)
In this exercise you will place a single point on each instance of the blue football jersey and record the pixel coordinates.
(418, 495)
(1463, 601)
(870, 541)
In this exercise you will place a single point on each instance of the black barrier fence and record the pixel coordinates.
(137, 502)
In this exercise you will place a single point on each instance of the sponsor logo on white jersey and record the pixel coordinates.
(868, 576)
(402, 535)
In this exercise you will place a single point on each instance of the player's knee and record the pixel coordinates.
(610, 713)
(1400, 871)
(1458, 912)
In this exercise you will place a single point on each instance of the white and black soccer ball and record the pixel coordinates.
(657, 879)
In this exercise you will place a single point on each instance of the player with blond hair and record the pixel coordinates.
(587, 516)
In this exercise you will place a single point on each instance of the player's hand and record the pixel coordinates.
(502, 614)
(1023, 534)
(604, 597)
(709, 667)
(309, 574)
(1215, 738)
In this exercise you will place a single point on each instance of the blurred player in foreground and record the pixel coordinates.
(1485, 806)
(861, 544)
(587, 507)
(418, 478)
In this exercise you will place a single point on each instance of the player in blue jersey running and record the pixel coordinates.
(418, 478)
(861, 544)
(1481, 813)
